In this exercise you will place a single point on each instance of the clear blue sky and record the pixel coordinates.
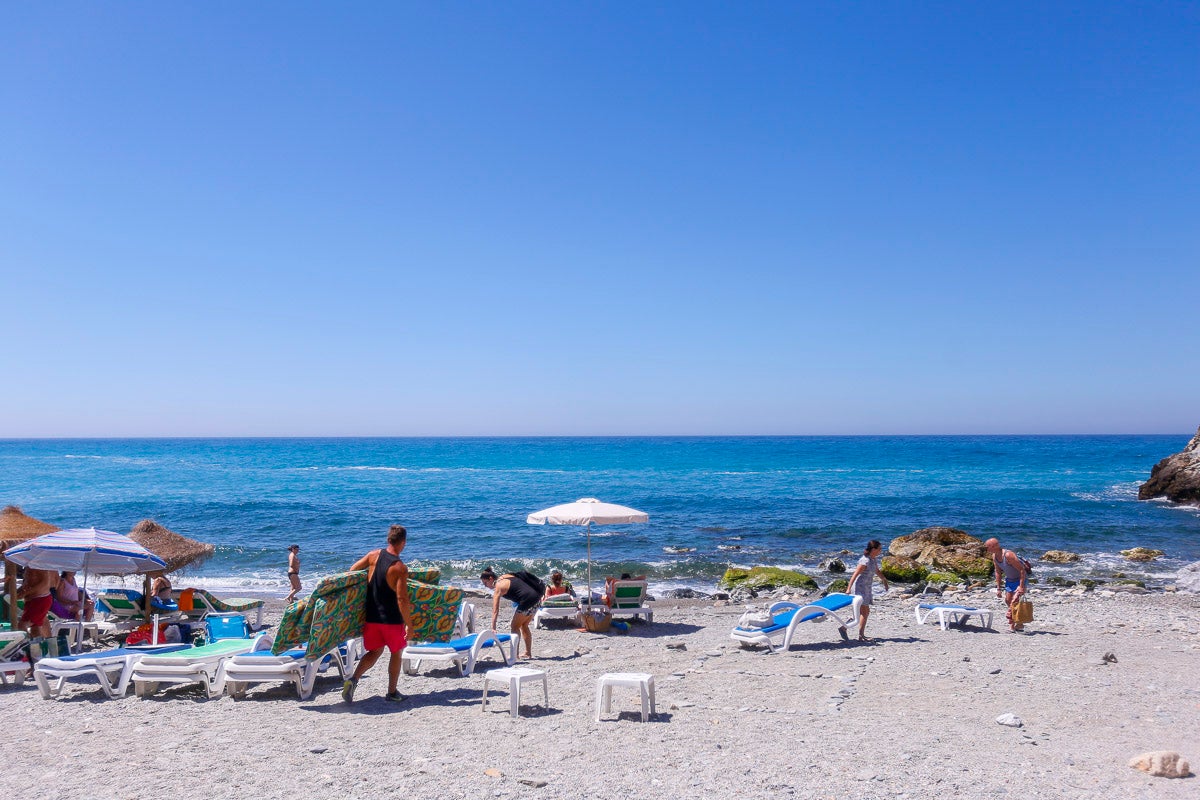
(599, 218)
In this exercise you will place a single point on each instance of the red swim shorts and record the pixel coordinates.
(36, 609)
(380, 634)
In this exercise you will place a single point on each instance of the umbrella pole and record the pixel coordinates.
(589, 554)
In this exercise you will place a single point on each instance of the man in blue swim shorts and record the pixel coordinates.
(1010, 578)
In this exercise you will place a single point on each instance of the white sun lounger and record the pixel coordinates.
(10, 666)
(463, 652)
(788, 616)
(112, 668)
(556, 610)
(192, 665)
(949, 614)
(261, 666)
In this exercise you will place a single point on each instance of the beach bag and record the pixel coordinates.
(1023, 611)
(533, 581)
(1025, 562)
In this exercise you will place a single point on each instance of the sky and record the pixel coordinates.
(306, 219)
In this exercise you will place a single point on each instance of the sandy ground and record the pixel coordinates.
(911, 715)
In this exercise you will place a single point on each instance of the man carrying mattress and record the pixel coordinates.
(388, 610)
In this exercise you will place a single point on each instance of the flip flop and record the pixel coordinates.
(842, 632)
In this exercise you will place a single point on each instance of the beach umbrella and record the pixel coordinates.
(177, 550)
(85, 550)
(588, 511)
(16, 527)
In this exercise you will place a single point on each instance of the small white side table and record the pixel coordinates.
(514, 677)
(640, 680)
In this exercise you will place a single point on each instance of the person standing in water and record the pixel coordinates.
(862, 583)
(389, 611)
(293, 571)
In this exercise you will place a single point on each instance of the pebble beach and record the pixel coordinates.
(912, 714)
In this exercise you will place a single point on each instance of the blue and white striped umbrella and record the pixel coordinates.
(85, 550)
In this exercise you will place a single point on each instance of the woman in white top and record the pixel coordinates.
(862, 582)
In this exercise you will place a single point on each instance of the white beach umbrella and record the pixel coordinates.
(588, 511)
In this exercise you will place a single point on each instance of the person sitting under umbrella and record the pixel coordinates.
(70, 600)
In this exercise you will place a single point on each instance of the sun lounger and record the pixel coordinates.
(949, 614)
(562, 606)
(261, 666)
(11, 666)
(211, 604)
(628, 599)
(112, 668)
(190, 665)
(788, 616)
(463, 652)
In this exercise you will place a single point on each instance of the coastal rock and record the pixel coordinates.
(839, 585)
(1188, 579)
(1142, 554)
(1060, 557)
(912, 544)
(766, 579)
(943, 578)
(902, 569)
(685, 594)
(835, 565)
(1176, 477)
(944, 549)
(1162, 764)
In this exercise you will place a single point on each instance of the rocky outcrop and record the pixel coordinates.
(944, 549)
(902, 569)
(1176, 477)
(1142, 554)
(1060, 557)
(766, 578)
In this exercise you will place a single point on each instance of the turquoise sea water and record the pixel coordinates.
(713, 502)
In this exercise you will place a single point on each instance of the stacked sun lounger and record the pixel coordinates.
(112, 668)
(293, 666)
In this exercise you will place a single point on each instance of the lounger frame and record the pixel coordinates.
(464, 659)
(948, 615)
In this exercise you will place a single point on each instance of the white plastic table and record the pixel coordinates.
(514, 677)
(641, 681)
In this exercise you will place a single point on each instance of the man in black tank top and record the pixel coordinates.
(388, 611)
(523, 596)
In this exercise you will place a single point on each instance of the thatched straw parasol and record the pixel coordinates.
(177, 550)
(16, 527)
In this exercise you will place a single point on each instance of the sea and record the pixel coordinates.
(713, 502)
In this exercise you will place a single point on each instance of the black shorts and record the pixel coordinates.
(526, 610)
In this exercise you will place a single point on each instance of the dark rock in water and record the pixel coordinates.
(834, 565)
(1176, 477)
(1060, 557)
(685, 594)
